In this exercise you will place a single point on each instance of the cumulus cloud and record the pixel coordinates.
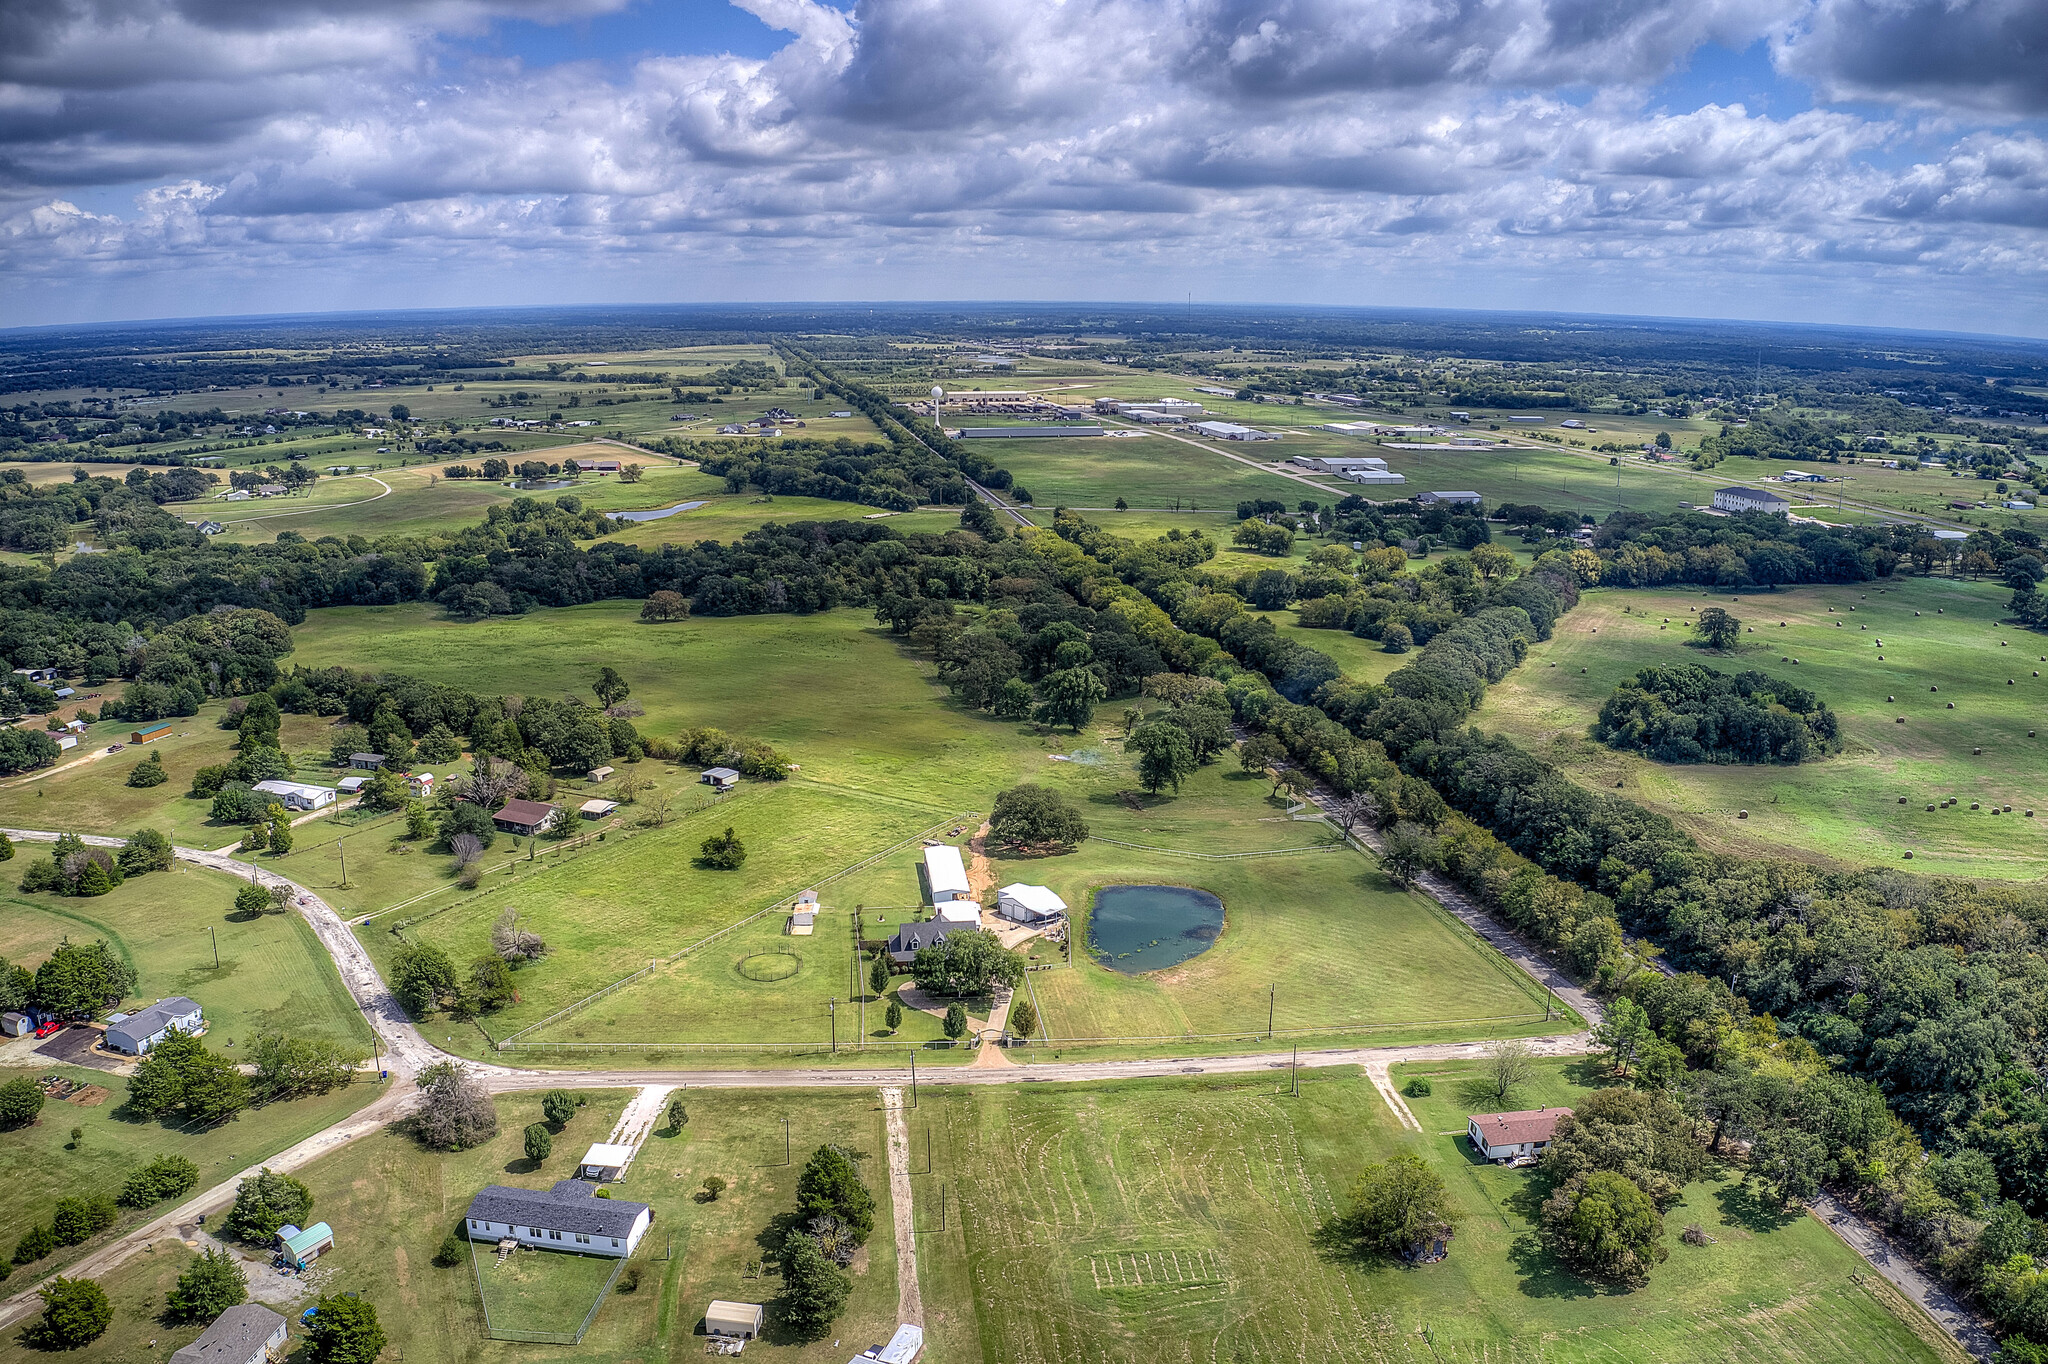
(1078, 140)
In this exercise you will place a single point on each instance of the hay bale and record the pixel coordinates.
(1902, 800)
(1890, 699)
(1742, 814)
(1909, 854)
(1900, 721)
(1973, 805)
(1951, 705)
(1930, 807)
(1977, 752)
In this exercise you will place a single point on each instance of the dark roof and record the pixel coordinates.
(236, 1336)
(1513, 1129)
(526, 812)
(571, 1205)
(1753, 495)
(910, 937)
(148, 1022)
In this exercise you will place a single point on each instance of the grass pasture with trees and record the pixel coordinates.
(1161, 1220)
(1844, 808)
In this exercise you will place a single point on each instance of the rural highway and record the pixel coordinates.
(409, 1052)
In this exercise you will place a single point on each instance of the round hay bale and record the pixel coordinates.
(1880, 658)
(2030, 814)
(1890, 699)
(1977, 752)
(2003, 645)
(1902, 800)
(1951, 705)
(1582, 670)
(1900, 721)
(1916, 613)
(2008, 682)
(2007, 809)
(1973, 805)
(1930, 807)
(1934, 689)
(1909, 854)
(1742, 814)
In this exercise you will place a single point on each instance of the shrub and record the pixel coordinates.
(452, 1250)
(165, 1177)
(21, 1099)
(209, 1286)
(149, 772)
(82, 1216)
(540, 1143)
(35, 1243)
(1418, 1088)
(75, 1312)
(558, 1107)
(265, 1202)
(723, 852)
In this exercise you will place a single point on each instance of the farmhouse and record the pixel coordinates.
(1029, 904)
(1432, 499)
(1502, 1137)
(720, 779)
(596, 466)
(244, 1334)
(946, 874)
(733, 1320)
(569, 1216)
(138, 1032)
(909, 937)
(301, 1247)
(525, 816)
(1749, 499)
(604, 1162)
(149, 734)
(297, 795)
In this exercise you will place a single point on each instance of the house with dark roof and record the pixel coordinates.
(136, 1033)
(569, 1216)
(524, 816)
(909, 937)
(247, 1333)
(1502, 1137)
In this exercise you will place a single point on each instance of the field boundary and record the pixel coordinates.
(540, 1337)
(1219, 857)
(783, 903)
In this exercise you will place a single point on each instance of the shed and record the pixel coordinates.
(75, 726)
(734, 1320)
(350, 786)
(65, 741)
(720, 778)
(369, 762)
(1029, 904)
(605, 1161)
(143, 1029)
(247, 1333)
(525, 816)
(301, 1248)
(14, 1024)
(596, 809)
(421, 784)
(803, 923)
(945, 873)
(149, 734)
(601, 773)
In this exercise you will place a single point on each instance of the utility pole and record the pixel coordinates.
(342, 852)
(216, 946)
(1269, 1012)
(1295, 1067)
(913, 1081)
(785, 1141)
(832, 1007)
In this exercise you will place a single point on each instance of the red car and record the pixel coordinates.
(45, 1029)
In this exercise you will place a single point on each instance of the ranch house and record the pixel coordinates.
(525, 816)
(1504, 1137)
(570, 1216)
(136, 1033)
(247, 1333)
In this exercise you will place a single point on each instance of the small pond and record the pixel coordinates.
(654, 515)
(1147, 928)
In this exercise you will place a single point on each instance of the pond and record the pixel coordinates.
(654, 515)
(1147, 928)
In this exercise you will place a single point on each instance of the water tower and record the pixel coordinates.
(938, 396)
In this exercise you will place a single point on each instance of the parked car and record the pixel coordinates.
(45, 1029)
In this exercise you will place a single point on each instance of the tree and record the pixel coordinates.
(266, 1201)
(1165, 757)
(1259, 752)
(1406, 852)
(1036, 816)
(293, 1067)
(610, 687)
(75, 1312)
(344, 1330)
(21, 1099)
(1069, 696)
(968, 962)
(1023, 1019)
(385, 790)
(878, 975)
(454, 1246)
(1622, 1033)
(37, 1242)
(677, 1114)
(419, 821)
(540, 1143)
(1396, 638)
(665, 606)
(513, 943)
(1643, 1137)
(82, 1216)
(421, 976)
(713, 1187)
(1718, 628)
(149, 772)
(723, 852)
(456, 1111)
(831, 1186)
(79, 979)
(165, 1177)
(146, 850)
(1790, 1163)
(893, 1017)
(179, 1076)
(557, 1107)
(814, 1291)
(1508, 1063)
(1012, 699)
(1604, 1225)
(280, 830)
(1396, 1207)
(956, 1021)
(209, 1286)
(490, 984)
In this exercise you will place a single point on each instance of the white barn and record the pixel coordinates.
(1029, 904)
(946, 874)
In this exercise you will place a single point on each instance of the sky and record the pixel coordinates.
(1882, 162)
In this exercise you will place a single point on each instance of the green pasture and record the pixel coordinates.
(1149, 471)
(1363, 660)
(138, 1331)
(391, 1203)
(273, 973)
(728, 516)
(40, 1164)
(1846, 808)
(1148, 1220)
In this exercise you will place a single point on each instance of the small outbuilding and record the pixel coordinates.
(421, 784)
(733, 1320)
(247, 1333)
(596, 809)
(136, 1033)
(368, 762)
(520, 816)
(945, 874)
(15, 1025)
(803, 923)
(601, 773)
(352, 786)
(1029, 904)
(149, 734)
(720, 779)
(1504, 1137)
(300, 1248)
(605, 1161)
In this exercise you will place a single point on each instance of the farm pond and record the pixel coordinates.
(1147, 928)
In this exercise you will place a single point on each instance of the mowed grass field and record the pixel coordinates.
(1149, 471)
(1843, 809)
(391, 1202)
(273, 973)
(1169, 1220)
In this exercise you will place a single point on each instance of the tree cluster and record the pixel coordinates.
(1688, 713)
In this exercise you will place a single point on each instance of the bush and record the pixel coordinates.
(37, 1242)
(540, 1143)
(21, 1099)
(1604, 1225)
(558, 1107)
(165, 1177)
(75, 1312)
(723, 852)
(1397, 1206)
(452, 1251)
(209, 1286)
(81, 1217)
(266, 1202)
(149, 772)
(1418, 1088)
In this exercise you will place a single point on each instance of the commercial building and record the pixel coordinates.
(1460, 498)
(1232, 431)
(1750, 499)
